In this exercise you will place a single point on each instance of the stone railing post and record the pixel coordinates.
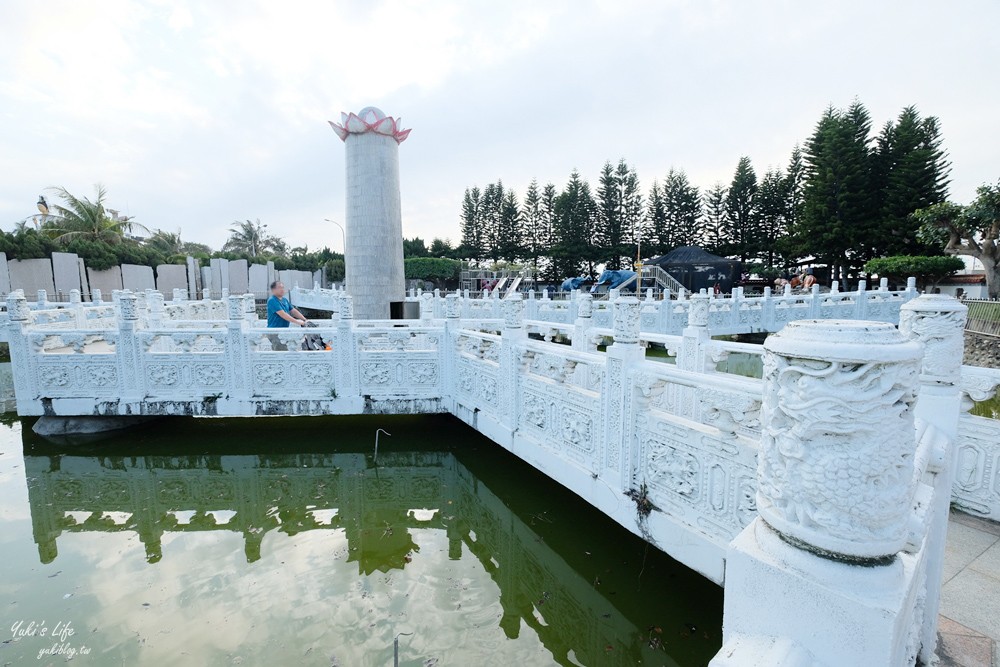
(835, 489)
(347, 379)
(155, 303)
(938, 322)
(426, 301)
(767, 309)
(452, 324)
(861, 301)
(616, 394)
(131, 370)
(582, 324)
(95, 297)
(238, 350)
(76, 306)
(693, 355)
(206, 294)
(511, 339)
(249, 308)
(22, 364)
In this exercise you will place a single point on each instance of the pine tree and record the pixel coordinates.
(490, 205)
(548, 234)
(772, 215)
(682, 204)
(532, 224)
(910, 172)
(741, 213)
(509, 244)
(837, 204)
(472, 232)
(717, 227)
(575, 215)
(610, 233)
(631, 212)
(655, 237)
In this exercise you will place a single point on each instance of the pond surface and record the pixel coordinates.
(281, 542)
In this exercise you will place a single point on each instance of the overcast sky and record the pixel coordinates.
(197, 114)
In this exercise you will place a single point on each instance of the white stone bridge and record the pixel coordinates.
(819, 493)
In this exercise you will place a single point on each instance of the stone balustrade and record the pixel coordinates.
(843, 456)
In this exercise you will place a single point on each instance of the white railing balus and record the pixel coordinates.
(680, 454)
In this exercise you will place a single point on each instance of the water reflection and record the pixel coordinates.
(399, 525)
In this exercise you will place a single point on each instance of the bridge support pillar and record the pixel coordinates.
(938, 322)
(829, 573)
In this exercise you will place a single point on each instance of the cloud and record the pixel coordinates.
(195, 114)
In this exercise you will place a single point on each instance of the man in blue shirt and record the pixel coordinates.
(280, 312)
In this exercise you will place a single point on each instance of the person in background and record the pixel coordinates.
(808, 279)
(280, 311)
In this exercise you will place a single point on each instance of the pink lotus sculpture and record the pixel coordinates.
(369, 119)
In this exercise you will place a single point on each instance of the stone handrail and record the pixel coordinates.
(690, 458)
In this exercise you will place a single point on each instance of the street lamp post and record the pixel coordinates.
(343, 237)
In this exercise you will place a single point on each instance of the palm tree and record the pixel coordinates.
(250, 238)
(168, 244)
(80, 217)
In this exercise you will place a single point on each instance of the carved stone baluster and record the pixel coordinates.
(131, 370)
(584, 314)
(511, 341)
(348, 373)
(616, 394)
(835, 487)
(938, 322)
(21, 356)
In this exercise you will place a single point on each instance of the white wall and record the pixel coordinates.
(66, 271)
(106, 281)
(170, 277)
(137, 278)
(31, 275)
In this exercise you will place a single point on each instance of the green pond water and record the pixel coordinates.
(281, 542)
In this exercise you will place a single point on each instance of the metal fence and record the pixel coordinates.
(983, 316)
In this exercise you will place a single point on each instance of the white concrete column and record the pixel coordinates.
(21, 365)
(818, 577)
(616, 396)
(938, 322)
(511, 339)
(374, 229)
(584, 320)
(131, 373)
(693, 353)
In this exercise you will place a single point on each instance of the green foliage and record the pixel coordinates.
(415, 247)
(251, 239)
(620, 215)
(925, 269)
(972, 230)
(573, 229)
(435, 269)
(716, 220)
(26, 243)
(82, 218)
(741, 212)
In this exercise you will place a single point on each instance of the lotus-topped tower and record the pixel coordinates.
(374, 235)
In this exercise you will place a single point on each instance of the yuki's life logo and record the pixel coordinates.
(59, 634)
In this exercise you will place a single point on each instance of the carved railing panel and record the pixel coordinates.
(560, 400)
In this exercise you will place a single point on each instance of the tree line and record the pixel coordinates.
(89, 228)
(844, 197)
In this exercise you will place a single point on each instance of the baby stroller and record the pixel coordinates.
(314, 341)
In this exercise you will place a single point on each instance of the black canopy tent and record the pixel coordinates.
(698, 269)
